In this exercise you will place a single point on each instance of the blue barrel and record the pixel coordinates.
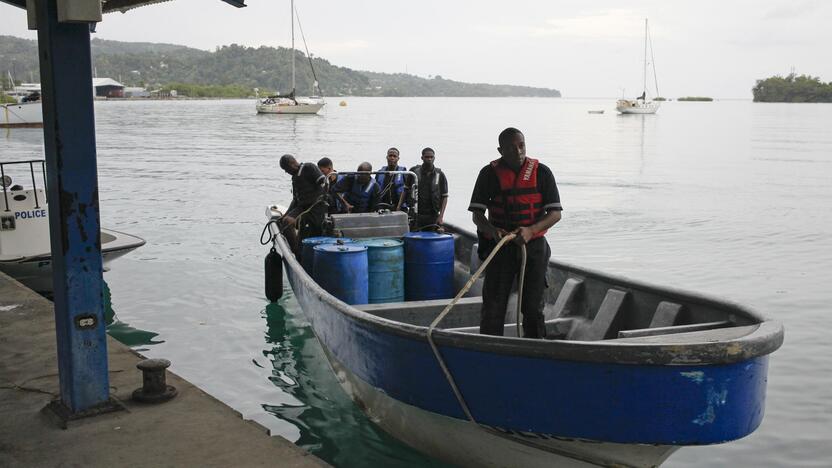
(307, 255)
(342, 271)
(428, 266)
(385, 258)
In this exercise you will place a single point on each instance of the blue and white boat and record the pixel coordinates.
(630, 371)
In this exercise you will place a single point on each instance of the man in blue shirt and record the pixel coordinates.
(359, 192)
(392, 185)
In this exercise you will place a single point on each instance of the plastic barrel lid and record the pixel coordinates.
(426, 235)
(340, 248)
(380, 242)
(326, 240)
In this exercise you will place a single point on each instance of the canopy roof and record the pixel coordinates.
(96, 82)
(109, 6)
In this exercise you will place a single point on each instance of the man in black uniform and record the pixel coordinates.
(521, 197)
(433, 193)
(309, 201)
(335, 203)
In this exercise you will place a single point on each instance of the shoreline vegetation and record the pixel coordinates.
(234, 71)
(792, 88)
(695, 99)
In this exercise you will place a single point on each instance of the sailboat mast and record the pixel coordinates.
(644, 74)
(293, 46)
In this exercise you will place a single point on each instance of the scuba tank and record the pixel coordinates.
(274, 275)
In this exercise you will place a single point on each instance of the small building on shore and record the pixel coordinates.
(107, 87)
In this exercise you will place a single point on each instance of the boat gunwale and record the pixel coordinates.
(764, 340)
(132, 245)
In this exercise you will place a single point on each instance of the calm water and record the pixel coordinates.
(727, 198)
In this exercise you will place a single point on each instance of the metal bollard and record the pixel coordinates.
(154, 387)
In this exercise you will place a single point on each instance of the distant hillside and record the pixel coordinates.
(267, 68)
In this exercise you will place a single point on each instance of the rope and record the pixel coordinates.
(520, 288)
(276, 222)
(456, 299)
(266, 228)
(322, 199)
(427, 226)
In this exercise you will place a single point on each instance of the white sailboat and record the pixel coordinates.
(27, 111)
(642, 104)
(289, 103)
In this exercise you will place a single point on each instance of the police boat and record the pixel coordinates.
(25, 252)
(629, 372)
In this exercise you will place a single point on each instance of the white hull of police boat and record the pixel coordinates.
(24, 114)
(25, 246)
(35, 271)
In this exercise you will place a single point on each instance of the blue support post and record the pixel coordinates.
(69, 140)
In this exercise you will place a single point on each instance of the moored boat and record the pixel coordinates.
(25, 250)
(629, 373)
(642, 104)
(289, 103)
(22, 114)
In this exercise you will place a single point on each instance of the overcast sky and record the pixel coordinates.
(584, 48)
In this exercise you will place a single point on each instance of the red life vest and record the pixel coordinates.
(519, 202)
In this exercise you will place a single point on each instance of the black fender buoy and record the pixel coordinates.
(274, 275)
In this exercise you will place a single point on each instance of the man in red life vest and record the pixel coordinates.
(521, 196)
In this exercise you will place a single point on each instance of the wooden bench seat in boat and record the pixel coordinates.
(669, 330)
(555, 328)
(559, 327)
(465, 313)
(703, 336)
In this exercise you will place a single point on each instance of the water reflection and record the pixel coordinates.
(330, 425)
(124, 333)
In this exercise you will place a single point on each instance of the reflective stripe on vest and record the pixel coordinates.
(391, 195)
(519, 202)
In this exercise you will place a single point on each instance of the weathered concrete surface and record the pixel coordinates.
(193, 429)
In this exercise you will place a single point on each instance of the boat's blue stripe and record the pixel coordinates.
(677, 405)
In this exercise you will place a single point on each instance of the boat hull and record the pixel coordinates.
(25, 114)
(623, 405)
(300, 108)
(464, 443)
(35, 272)
(632, 397)
(637, 107)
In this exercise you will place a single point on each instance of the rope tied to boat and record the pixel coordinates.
(456, 299)
(276, 221)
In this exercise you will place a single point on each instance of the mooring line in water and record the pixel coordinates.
(459, 295)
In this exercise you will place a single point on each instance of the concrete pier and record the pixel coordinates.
(193, 429)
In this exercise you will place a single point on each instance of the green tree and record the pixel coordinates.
(792, 88)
